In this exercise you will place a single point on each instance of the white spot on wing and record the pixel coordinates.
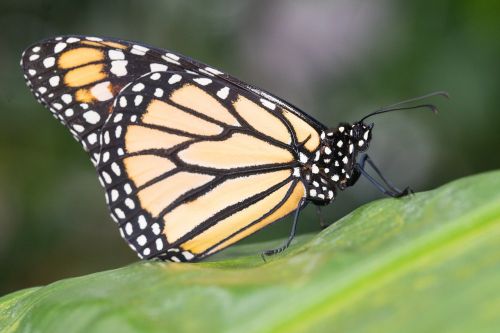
(123, 102)
(138, 87)
(268, 104)
(138, 100)
(116, 168)
(118, 118)
(128, 228)
(54, 81)
(172, 56)
(203, 81)
(155, 76)
(303, 158)
(158, 67)
(119, 67)
(139, 50)
(107, 178)
(92, 138)
(78, 128)
(130, 203)
(174, 79)
(142, 222)
(106, 138)
(141, 240)
(158, 92)
(118, 131)
(92, 117)
(59, 47)
(66, 98)
(156, 228)
(101, 91)
(223, 92)
(49, 62)
(315, 169)
(116, 55)
(188, 255)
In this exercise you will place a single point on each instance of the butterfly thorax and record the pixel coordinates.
(332, 166)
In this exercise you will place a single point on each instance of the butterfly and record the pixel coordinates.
(192, 159)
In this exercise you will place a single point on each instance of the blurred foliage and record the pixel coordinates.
(337, 60)
(424, 263)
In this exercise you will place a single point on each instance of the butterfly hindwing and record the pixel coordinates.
(192, 164)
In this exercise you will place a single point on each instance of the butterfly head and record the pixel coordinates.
(360, 135)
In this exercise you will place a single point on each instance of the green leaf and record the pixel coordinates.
(425, 263)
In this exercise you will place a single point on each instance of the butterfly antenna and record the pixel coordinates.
(400, 105)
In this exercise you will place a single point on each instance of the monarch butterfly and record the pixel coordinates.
(192, 159)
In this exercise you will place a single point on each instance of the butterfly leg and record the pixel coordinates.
(322, 222)
(389, 189)
(290, 237)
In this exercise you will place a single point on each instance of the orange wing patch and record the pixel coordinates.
(194, 98)
(240, 150)
(286, 208)
(82, 76)
(84, 96)
(114, 44)
(186, 217)
(303, 131)
(159, 195)
(80, 56)
(165, 115)
(238, 221)
(139, 138)
(143, 168)
(262, 120)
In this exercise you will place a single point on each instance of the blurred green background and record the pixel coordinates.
(336, 60)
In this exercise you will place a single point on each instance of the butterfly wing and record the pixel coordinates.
(192, 159)
(191, 164)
